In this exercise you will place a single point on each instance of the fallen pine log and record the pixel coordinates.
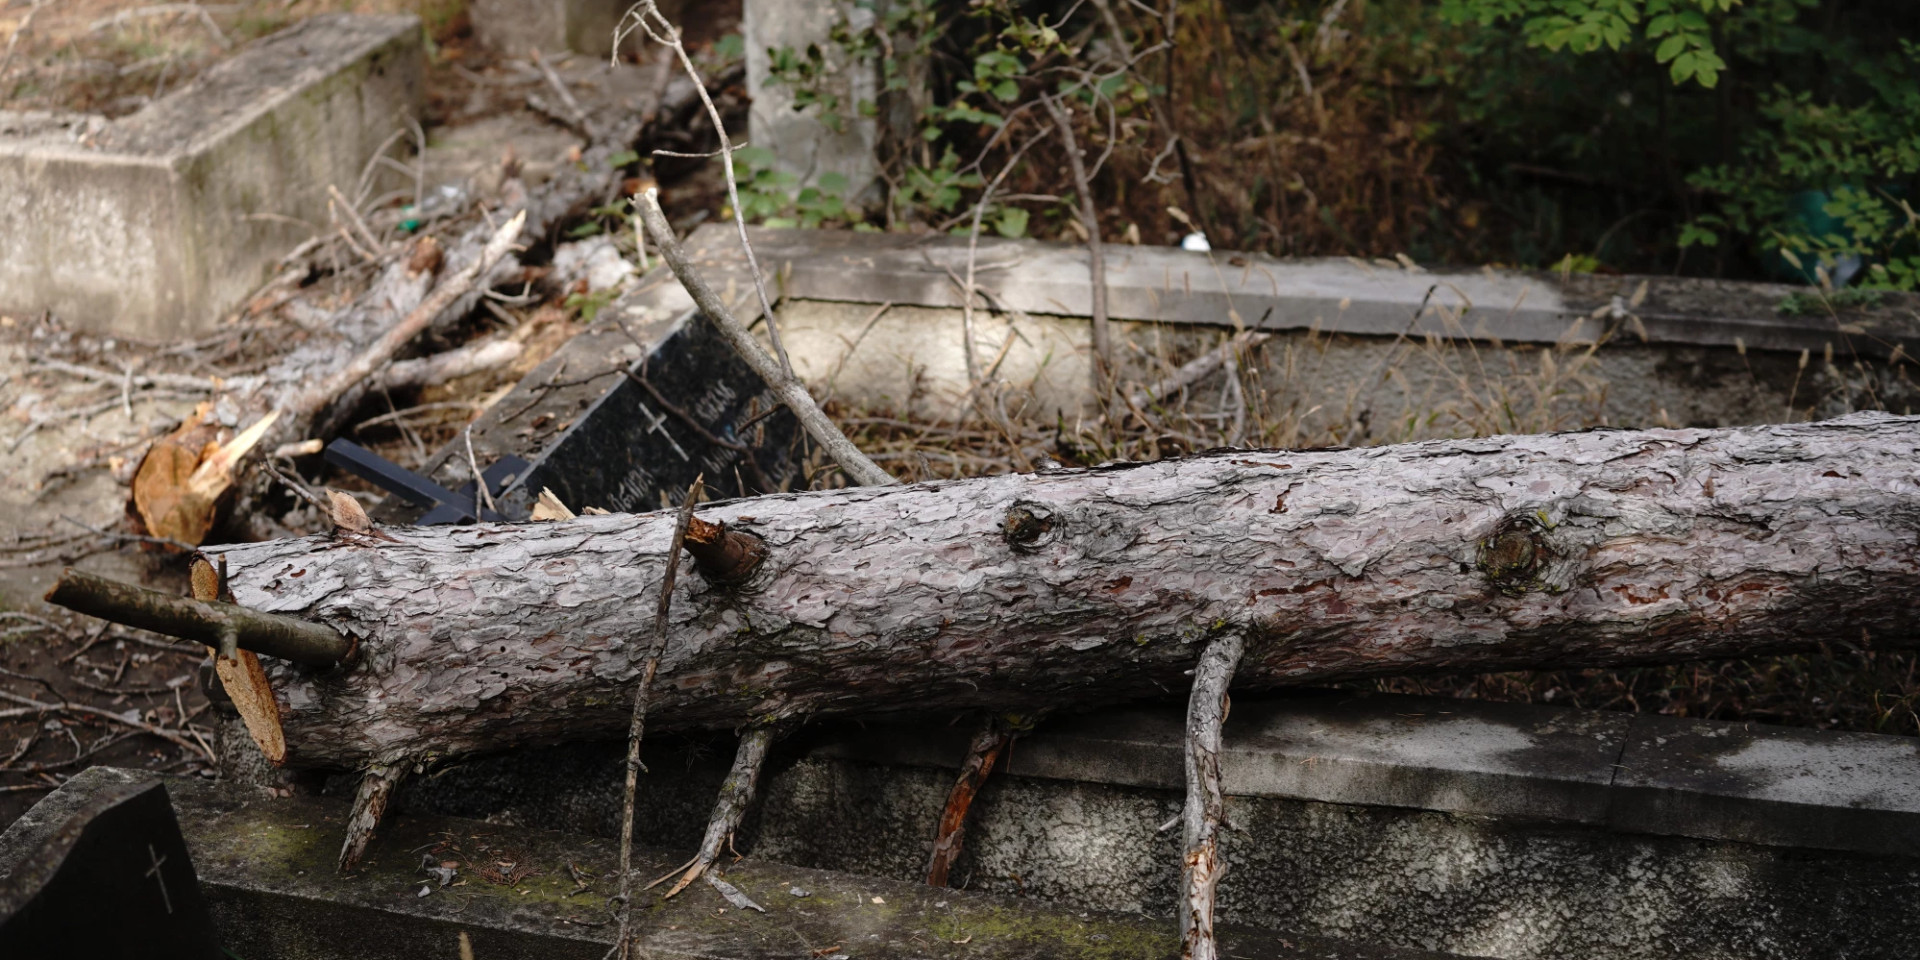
(1081, 587)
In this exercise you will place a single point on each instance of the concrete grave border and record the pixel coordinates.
(155, 224)
(1630, 773)
(1334, 295)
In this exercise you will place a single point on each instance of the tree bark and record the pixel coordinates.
(1082, 587)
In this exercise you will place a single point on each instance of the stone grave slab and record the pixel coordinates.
(155, 224)
(627, 414)
(103, 874)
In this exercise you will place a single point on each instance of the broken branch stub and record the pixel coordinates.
(222, 626)
(1333, 564)
(722, 555)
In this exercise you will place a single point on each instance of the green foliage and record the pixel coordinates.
(1818, 304)
(1785, 134)
(1680, 30)
(775, 198)
(589, 305)
(997, 50)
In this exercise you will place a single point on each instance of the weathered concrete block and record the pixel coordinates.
(1476, 828)
(266, 867)
(803, 144)
(154, 224)
(519, 27)
(1715, 353)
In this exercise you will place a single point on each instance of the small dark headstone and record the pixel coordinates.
(655, 429)
(114, 881)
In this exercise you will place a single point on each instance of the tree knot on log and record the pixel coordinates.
(721, 555)
(1516, 555)
(1030, 524)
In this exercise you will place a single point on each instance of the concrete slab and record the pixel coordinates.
(1338, 326)
(1759, 784)
(154, 224)
(266, 867)
(519, 27)
(1334, 295)
(805, 146)
(1460, 756)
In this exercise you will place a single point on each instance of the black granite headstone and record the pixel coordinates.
(114, 882)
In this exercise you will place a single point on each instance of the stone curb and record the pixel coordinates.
(266, 867)
(1333, 295)
(1750, 783)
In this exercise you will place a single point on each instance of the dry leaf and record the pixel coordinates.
(348, 515)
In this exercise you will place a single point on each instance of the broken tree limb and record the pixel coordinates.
(1086, 587)
(858, 466)
(341, 392)
(736, 794)
(1206, 809)
(448, 365)
(982, 753)
(220, 625)
(369, 805)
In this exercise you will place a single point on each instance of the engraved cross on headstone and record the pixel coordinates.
(154, 872)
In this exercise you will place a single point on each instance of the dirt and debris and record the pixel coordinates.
(79, 412)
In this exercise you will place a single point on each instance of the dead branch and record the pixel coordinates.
(736, 794)
(369, 805)
(1103, 360)
(857, 466)
(982, 752)
(647, 16)
(343, 389)
(1201, 867)
(637, 730)
(220, 625)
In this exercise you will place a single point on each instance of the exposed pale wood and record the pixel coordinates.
(1080, 587)
(242, 676)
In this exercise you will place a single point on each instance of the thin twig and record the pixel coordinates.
(110, 716)
(1096, 257)
(578, 115)
(640, 698)
(664, 32)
